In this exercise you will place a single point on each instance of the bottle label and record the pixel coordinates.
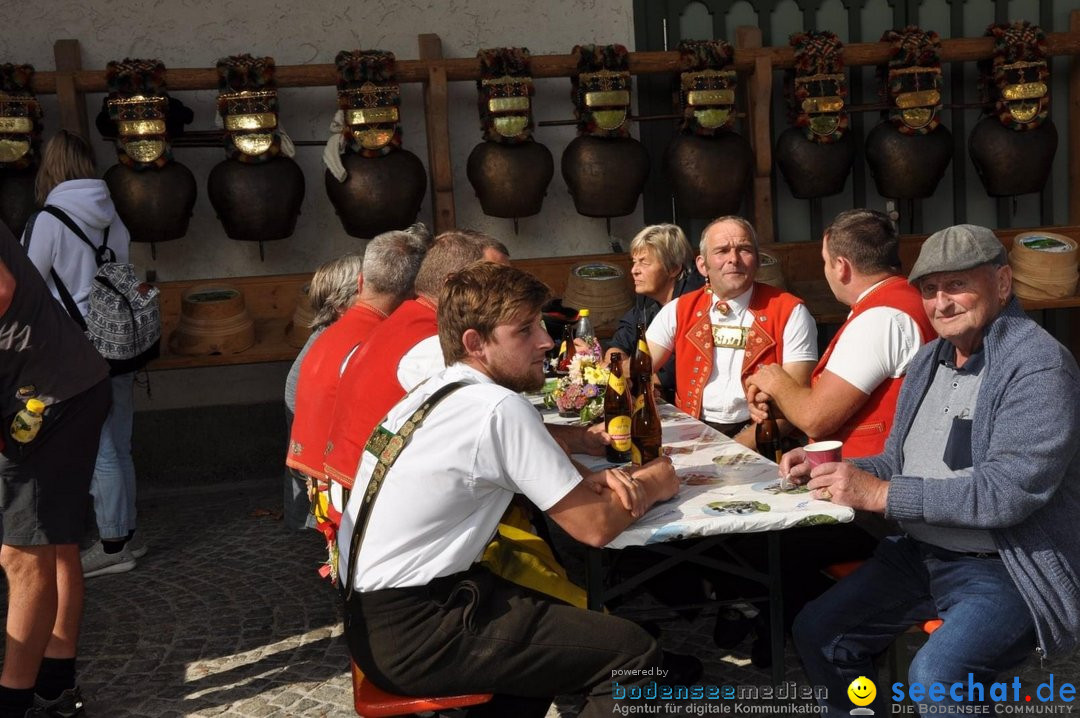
(617, 383)
(618, 427)
(642, 346)
(639, 402)
(635, 455)
(562, 348)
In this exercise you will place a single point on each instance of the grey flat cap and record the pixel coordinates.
(954, 249)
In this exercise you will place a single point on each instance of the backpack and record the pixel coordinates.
(124, 319)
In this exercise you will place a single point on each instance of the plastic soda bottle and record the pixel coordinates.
(583, 330)
(25, 425)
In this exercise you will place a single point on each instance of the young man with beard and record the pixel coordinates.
(422, 617)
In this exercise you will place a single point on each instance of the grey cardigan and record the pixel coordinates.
(1025, 446)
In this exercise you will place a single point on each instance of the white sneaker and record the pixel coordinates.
(95, 562)
(137, 546)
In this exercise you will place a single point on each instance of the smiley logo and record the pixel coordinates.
(862, 691)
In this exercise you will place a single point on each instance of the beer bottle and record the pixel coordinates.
(617, 410)
(566, 350)
(640, 366)
(645, 431)
(767, 437)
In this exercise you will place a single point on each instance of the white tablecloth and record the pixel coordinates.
(726, 489)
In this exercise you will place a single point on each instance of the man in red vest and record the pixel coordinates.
(724, 331)
(400, 353)
(391, 261)
(853, 390)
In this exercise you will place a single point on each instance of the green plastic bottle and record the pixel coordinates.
(27, 422)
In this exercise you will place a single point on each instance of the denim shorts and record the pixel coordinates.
(45, 484)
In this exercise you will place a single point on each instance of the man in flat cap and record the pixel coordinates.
(982, 473)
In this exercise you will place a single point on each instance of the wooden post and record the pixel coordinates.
(1074, 127)
(437, 116)
(758, 109)
(68, 58)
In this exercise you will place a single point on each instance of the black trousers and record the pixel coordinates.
(477, 633)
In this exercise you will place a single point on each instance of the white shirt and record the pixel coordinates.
(441, 501)
(875, 346)
(423, 360)
(724, 399)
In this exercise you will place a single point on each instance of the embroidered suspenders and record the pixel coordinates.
(387, 447)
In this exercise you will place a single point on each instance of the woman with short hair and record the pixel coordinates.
(662, 267)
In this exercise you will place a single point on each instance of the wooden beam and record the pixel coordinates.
(68, 57)
(437, 115)
(1074, 127)
(461, 69)
(759, 110)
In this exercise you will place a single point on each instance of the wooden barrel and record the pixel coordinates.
(603, 289)
(213, 320)
(1044, 265)
(299, 328)
(770, 271)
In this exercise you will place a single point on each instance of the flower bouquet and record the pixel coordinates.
(581, 392)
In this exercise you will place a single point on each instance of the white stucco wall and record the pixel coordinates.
(195, 33)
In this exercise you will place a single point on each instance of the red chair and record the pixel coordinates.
(372, 702)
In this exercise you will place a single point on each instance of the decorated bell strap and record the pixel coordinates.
(369, 98)
(817, 89)
(505, 90)
(911, 81)
(20, 117)
(139, 106)
(1016, 80)
(601, 90)
(247, 103)
(706, 89)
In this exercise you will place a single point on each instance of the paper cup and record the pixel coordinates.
(823, 452)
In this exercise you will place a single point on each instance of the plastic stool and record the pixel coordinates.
(372, 702)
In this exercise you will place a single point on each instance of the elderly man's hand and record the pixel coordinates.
(844, 484)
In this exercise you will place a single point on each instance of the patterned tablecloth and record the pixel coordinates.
(726, 489)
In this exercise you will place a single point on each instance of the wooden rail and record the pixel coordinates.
(460, 69)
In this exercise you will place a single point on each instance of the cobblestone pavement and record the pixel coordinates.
(226, 617)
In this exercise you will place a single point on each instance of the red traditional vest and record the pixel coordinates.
(865, 432)
(316, 388)
(771, 308)
(369, 386)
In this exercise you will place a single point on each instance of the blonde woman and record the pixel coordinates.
(662, 269)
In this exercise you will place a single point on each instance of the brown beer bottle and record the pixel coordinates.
(640, 366)
(646, 433)
(767, 437)
(618, 405)
(566, 351)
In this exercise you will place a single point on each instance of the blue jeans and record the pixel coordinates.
(906, 582)
(113, 485)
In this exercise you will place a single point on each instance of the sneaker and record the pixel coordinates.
(68, 704)
(137, 546)
(95, 562)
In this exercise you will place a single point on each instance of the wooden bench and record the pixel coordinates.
(272, 299)
(804, 271)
